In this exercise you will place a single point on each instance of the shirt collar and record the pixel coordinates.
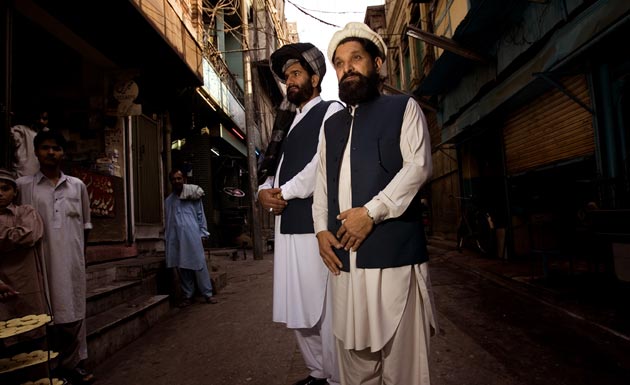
(310, 104)
(39, 177)
(12, 208)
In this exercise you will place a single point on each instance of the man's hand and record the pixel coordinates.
(327, 241)
(271, 200)
(6, 292)
(356, 225)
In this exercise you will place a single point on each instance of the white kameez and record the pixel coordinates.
(300, 277)
(65, 211)
(369, 303)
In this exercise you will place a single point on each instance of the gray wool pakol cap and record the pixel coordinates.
(360, 30)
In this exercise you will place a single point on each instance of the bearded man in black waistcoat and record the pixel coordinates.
(374, 157)
(287, 174)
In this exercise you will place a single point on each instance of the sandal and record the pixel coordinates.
(79, 376)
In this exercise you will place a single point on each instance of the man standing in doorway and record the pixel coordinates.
(64, 205)
(185, 227)
(300, 295)
(375, 155)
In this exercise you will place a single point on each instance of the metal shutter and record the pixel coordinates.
(551, 128)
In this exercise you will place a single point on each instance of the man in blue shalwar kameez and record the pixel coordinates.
(185, 228)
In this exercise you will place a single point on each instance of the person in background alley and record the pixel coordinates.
(375, 155)
(185, 226)
(63, 203)
(301, 281)
(25, 161)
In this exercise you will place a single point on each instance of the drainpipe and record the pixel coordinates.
(508, 242)
(168, 158)
(127, 125)
(256, 229)
(608, 149)
(5, 103)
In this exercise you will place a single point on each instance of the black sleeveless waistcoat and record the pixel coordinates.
(375, 158)
(298, 149)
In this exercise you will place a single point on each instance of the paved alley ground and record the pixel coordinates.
(490, 335)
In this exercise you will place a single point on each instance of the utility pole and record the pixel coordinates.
(251, 134)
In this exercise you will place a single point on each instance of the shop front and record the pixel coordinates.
(110, 100)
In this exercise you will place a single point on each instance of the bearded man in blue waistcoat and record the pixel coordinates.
(301, 281)
(374, 158)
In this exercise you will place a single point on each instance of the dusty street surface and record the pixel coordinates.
(231, 343)
(490, 335)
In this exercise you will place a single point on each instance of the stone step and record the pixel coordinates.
(219, 281)
(139, 268)
(110, 330)
(103, 274)
(112, 294)
(100, 275)
(442, 243)
(102, 253)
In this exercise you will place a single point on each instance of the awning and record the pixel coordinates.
(122, 34)
(472, 41)
(445, 43)
(227, 143)
(570, 43)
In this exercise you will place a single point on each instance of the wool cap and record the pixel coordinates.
(8, 176)
(291, 53)
(360, 30)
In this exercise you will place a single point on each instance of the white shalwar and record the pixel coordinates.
(300, 277)
(383, 316)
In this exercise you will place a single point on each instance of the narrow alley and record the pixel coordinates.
(489, 334)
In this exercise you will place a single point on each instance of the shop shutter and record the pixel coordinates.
(550, 129)
(147, 162)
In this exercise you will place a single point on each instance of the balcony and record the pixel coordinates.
(221, 69)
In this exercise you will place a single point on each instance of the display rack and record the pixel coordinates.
(18, 326)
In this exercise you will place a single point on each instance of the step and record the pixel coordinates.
(102, 274)
(233, 253)
(109, 331)
(112, 294)
(219, 281)
(103, 253)
(442, 243)
(140, 267)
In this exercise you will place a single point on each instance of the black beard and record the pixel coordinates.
(302, 95)
(361, 90)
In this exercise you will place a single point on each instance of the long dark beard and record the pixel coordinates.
(304, 94)
(361, 90)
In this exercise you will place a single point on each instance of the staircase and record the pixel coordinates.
(124, 299)
(127, 296)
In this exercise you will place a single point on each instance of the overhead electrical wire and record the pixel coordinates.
(308, 14)
(320, 11)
